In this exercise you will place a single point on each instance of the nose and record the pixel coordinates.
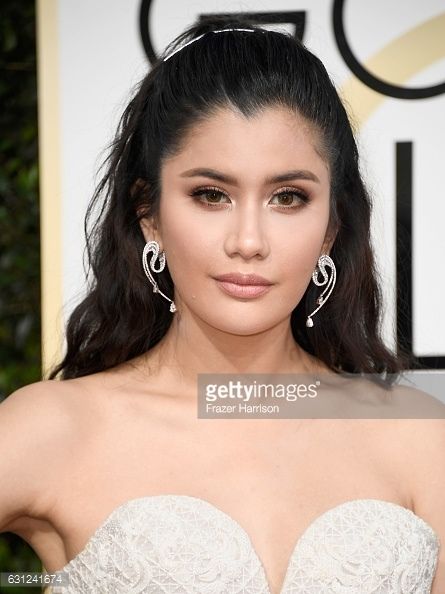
(246, 236)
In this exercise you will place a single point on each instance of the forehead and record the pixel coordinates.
(227, 138)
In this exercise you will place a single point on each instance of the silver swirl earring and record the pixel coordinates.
(323, 261)
(153, 246)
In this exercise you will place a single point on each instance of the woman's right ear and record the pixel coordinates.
(139, 193)
(149, 228)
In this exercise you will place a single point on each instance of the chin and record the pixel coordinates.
(241, 323)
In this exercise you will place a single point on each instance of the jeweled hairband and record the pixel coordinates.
(202, 35)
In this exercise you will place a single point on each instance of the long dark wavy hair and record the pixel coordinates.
(120, 317)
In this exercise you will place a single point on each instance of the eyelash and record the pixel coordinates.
(202, 191)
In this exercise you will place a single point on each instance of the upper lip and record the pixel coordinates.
(243, 279)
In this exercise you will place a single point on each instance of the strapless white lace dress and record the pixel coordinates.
(179, 544)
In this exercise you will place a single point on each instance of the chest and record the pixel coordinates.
(271, 484)
(180, 541)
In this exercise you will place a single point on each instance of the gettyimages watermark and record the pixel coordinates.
(412, 395)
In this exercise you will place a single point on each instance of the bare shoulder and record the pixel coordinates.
(37, 398)
(38, 426)
(421, 439)
(425, 462)
(413, 435)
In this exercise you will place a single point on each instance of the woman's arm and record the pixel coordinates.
(30, 427)
(426, 465)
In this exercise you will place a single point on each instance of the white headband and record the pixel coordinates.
(199, 37)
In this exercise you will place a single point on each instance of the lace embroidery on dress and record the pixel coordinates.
(178, 544)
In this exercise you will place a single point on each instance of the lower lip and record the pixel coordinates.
(247, 291)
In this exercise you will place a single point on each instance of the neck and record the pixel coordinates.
(191, 347)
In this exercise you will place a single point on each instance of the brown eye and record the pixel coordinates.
(212, 195)
(286, 199)
(209, 196)
(291, 199)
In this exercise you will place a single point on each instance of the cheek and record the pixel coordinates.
(306, 233)
(303, 252)
(190, 249)
(296, 267)
(298, 256)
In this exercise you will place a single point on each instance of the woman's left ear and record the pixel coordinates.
(329, 240)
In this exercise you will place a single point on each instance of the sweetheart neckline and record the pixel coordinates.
(238, 526)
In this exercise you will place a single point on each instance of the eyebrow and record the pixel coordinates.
(224, 178)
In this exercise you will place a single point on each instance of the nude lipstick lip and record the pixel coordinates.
(243, 285)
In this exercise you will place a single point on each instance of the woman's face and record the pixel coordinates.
(235, 218)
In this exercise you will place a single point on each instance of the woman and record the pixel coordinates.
(234, 158)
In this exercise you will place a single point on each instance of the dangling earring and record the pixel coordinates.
(323, 260)
(153, 246)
